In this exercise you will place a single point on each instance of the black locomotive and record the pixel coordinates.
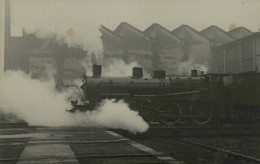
(197, 98)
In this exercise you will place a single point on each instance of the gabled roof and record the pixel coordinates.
(130, 27)
(213, 27)
(185, 28)
(216, 35)
(240, 32)
(236, 41)
(157, 26)
(104, 29)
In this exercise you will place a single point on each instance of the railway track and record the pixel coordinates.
(199, 150)
(204, 144)
(73, 145)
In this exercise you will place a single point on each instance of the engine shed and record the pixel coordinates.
(238, 56)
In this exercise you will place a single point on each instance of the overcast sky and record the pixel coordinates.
(78, 20)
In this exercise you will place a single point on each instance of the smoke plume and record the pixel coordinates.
(38, 103)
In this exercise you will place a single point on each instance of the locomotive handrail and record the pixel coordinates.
(172, 94)
(115, 94)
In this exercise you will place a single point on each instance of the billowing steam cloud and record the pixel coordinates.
(38, 103)
(119, 68)
(33, 100)
(116, 116)
(113, 67)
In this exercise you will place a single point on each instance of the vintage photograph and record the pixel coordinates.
(129, 81)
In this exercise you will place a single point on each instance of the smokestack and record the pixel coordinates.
(97, 70)
(137, 73)
(194, 73)
(159, 74)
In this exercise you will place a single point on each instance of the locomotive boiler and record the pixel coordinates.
(160, 98)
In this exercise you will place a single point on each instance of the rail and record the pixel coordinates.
(220, 150)
(163, 95)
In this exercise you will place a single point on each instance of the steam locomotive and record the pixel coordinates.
(196, 98)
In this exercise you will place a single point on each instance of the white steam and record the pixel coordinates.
(114, 115)
(38, 103)
(118, 68)
(113, 67)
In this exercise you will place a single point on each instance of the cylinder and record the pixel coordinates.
(97, 70)
(137, 72)
(159, 74)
